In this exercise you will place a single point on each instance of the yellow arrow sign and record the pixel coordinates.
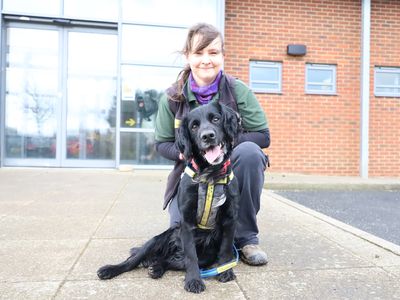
(130, 122)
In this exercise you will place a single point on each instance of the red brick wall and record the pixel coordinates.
(384, 112)
(311, 134)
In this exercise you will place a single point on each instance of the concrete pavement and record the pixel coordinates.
(57, 226)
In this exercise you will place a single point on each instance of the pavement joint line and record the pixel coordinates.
(381, 243)
(29, 281)
(241, 289)
(118, 194)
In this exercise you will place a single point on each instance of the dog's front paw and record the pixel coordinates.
(107, 272)
(226, 276)
(195, 286)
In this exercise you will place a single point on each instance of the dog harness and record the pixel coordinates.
(211, 196)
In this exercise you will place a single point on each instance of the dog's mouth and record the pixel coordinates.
(214, 154)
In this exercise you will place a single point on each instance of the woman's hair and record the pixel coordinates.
(206, 34)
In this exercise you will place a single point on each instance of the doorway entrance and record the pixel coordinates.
(61, 96)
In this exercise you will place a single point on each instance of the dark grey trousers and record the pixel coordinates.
(249, 163)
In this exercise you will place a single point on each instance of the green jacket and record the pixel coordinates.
(252, 114)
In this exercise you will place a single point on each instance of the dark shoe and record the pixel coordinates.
(253, 255)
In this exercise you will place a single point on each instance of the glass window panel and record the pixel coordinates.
(318, 87)
(321, 79)
(46, 7)
(87, 52)
(31, 93)
(320, 76)
(388, 91)
(388, 78)
(266, 73)
(138, 148)
(26, 48)
(265, 76)
(142, 87)
(153, 45)
(171, 12)
(92, 9)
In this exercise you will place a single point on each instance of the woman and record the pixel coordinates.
(199, 83)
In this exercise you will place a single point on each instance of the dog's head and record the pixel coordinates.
(208, 133)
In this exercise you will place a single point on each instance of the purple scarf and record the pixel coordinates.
(204, 93)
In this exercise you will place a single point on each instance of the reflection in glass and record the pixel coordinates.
(31, 93)
(388, 90)
(142, 87)
(138, 148)
(92, 9)
(142, 111)
(91, 87)
(319, 87)
(46, 7)
(388, 79)
(166, 12)
(152, 44)
(321, 76)
(266, 74)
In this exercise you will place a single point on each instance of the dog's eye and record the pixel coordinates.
(194, 126)
(215, 119)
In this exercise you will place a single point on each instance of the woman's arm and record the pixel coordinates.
(168, 150)
(261, 137)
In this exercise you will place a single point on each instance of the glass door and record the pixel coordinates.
(90, 110)
(60, 98)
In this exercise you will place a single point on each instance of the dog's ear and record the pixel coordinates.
(184, 142)
(231, 123)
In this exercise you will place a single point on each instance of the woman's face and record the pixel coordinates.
(206, 63)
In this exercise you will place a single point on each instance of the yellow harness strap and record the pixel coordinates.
(177, 123)
(207, 207)
(190, 172)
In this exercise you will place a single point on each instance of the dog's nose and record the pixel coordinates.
(207, 136)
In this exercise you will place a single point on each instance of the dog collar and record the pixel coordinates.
(222, 268)
(192, 169)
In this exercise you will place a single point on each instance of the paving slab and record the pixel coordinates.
(48, 228)
(353, 283)
(144, 288)
(37, 260)
(100, 252)
(28, 290)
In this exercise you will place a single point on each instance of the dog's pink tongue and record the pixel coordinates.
(212, 154)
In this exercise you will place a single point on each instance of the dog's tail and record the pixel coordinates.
(137, 256)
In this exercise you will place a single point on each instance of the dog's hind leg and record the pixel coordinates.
(142, 254)
(134, 250)
(110, 271)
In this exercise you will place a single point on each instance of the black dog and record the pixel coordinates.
(206, 232)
